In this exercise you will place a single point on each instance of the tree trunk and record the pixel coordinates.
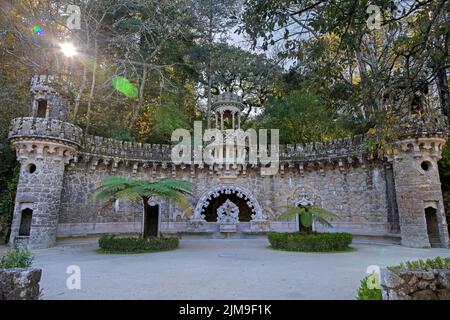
(91, 93)
(210, 40)
(444, 95)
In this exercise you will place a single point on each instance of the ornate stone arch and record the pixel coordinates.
(153, 201)
(216, 191)
(305, 195)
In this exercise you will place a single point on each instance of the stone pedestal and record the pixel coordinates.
(228, 227)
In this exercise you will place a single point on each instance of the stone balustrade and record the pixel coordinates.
(45, 128)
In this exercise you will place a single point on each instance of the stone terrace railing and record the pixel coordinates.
(45, 128)
(339, 148)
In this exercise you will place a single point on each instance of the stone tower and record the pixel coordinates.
(44, 144)
(417, 184)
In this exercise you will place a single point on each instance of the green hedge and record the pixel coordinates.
(423, 265)
(113, 244)
(310, 242)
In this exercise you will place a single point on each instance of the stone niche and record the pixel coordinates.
(415, 284)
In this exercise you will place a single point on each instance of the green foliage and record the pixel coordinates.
(310, 242)
(308, 214)
(16, 257)
(366, 292)
(301, 117)
(117, 187)
(444, 168)
(166, 120)
(7, 198)
(120, 133)
(131, 189)
(113, 244)
(9, 176)
(425, 265)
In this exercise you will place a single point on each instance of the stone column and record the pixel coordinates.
(221, 120)
(417, 187)
(232, 118)
(42, 166)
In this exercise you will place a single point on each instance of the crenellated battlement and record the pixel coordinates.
(345, 147)
(414, 125)
(45, 128)
(126, 150)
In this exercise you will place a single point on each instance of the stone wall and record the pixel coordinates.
(357, 195)
(20, 284)
(415, 285)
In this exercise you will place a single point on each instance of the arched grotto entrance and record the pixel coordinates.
(214, 198)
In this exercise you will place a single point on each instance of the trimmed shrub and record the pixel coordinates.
(310, 242)
(367, 293)
(113, 244)
(16, 257)
(278, 240)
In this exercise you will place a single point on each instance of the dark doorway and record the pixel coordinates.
(245, 213)
(151, 221)
(301, 227)
(42, 109)
(25, 222)
(432, 227)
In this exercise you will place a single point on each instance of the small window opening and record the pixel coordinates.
(425, 165)
(42, 109)
(25, 222)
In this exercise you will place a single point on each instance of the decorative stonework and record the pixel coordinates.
(228, 217)
(216, 191)
(370, 195)
(305, 196)
(39, 149)
(228, 213)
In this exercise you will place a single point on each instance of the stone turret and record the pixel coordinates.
(47, 102)
(44, 144)
(417, 184)
(228, 105)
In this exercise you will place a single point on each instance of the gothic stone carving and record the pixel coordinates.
(228, 216)
(216, 191)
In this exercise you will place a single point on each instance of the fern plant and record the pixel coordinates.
(308, 214)
(172, 190)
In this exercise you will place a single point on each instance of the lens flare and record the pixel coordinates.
(124, 86)
(68, 49)
(38, 30)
